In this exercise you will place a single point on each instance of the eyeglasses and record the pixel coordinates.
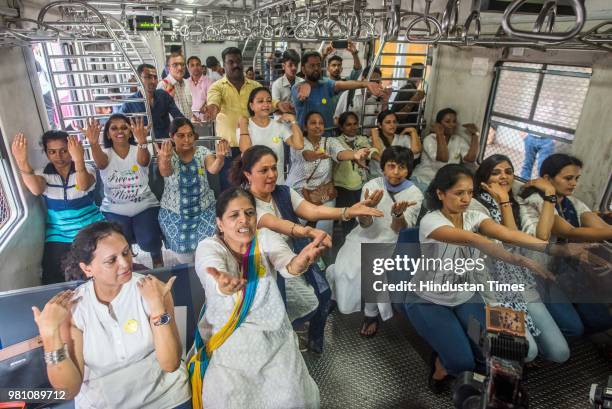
(177, 64)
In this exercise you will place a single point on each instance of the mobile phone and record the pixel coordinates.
(339, 44)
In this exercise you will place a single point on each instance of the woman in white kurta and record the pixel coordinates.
(400, 202)
(120, 348)
(443, 146)
(259, 365)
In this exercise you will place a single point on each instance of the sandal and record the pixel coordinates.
(367, 324)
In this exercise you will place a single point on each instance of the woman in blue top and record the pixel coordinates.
(67, 185)
(187, 213)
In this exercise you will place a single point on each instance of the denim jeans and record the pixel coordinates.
(142, 229)
(445, 330)
(535, 147)
(551, 343)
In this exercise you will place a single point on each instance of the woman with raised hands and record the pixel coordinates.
(311, 168)
(124, 169)
(279, 208)
(113, 342)
(246, 353)
(260, 129)
(400, 202)
(67, 184)
(187, 213)
(445, 145)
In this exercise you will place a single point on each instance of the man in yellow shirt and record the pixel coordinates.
(229, 96)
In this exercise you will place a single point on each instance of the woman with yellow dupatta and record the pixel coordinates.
(246, 353)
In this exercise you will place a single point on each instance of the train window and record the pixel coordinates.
(11, 210)
(534, 110)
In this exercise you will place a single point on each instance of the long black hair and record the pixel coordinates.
(84, 246)
(446, 177)
(245, 163)
(482, 175)
(379, 120)
(106, 140)
(551, 166)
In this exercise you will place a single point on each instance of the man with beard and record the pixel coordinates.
(316, 93)
(334, 66)
(229, 96)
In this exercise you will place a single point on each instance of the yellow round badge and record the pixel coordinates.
(276, 139)
(130, 326)
(324, 101)
(201, 171)
(135, 168)
(76, 187)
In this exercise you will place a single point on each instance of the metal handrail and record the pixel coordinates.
(579, 11)
(450, 17)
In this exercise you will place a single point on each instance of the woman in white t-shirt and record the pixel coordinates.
(124, 170)
(444, 146)
(452, 232)
(568, 219)
(119, 347)
(260, 129)
(384, 136)
(312, 168)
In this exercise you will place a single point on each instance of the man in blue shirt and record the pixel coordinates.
(161, 103)
(317, 93)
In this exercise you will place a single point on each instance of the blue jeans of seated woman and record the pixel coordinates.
(551, 343)
(445, 330)
(142, 229)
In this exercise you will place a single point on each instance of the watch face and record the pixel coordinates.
(164, 319)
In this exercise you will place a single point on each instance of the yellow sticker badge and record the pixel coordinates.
(76, 187)
(130, 326)
(135, 168)
(324, 101)
(276, 139)
(201, 171)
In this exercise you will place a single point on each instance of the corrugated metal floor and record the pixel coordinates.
(387, 372)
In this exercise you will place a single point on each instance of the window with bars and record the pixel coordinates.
(534, 111)
(11, 210)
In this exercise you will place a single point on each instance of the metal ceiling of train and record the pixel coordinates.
(418, 21)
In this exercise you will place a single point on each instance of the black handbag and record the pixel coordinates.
(22, 365)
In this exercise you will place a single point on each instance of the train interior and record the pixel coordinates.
(545, 68)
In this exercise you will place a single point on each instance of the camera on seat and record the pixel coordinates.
(505, 348)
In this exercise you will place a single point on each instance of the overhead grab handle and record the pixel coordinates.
(450, 17)
(429, 20)
(473, 18)
(549, 7)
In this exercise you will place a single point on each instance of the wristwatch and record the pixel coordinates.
(550, 198)
(397, 216)
(162, 319)
(143, 146)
